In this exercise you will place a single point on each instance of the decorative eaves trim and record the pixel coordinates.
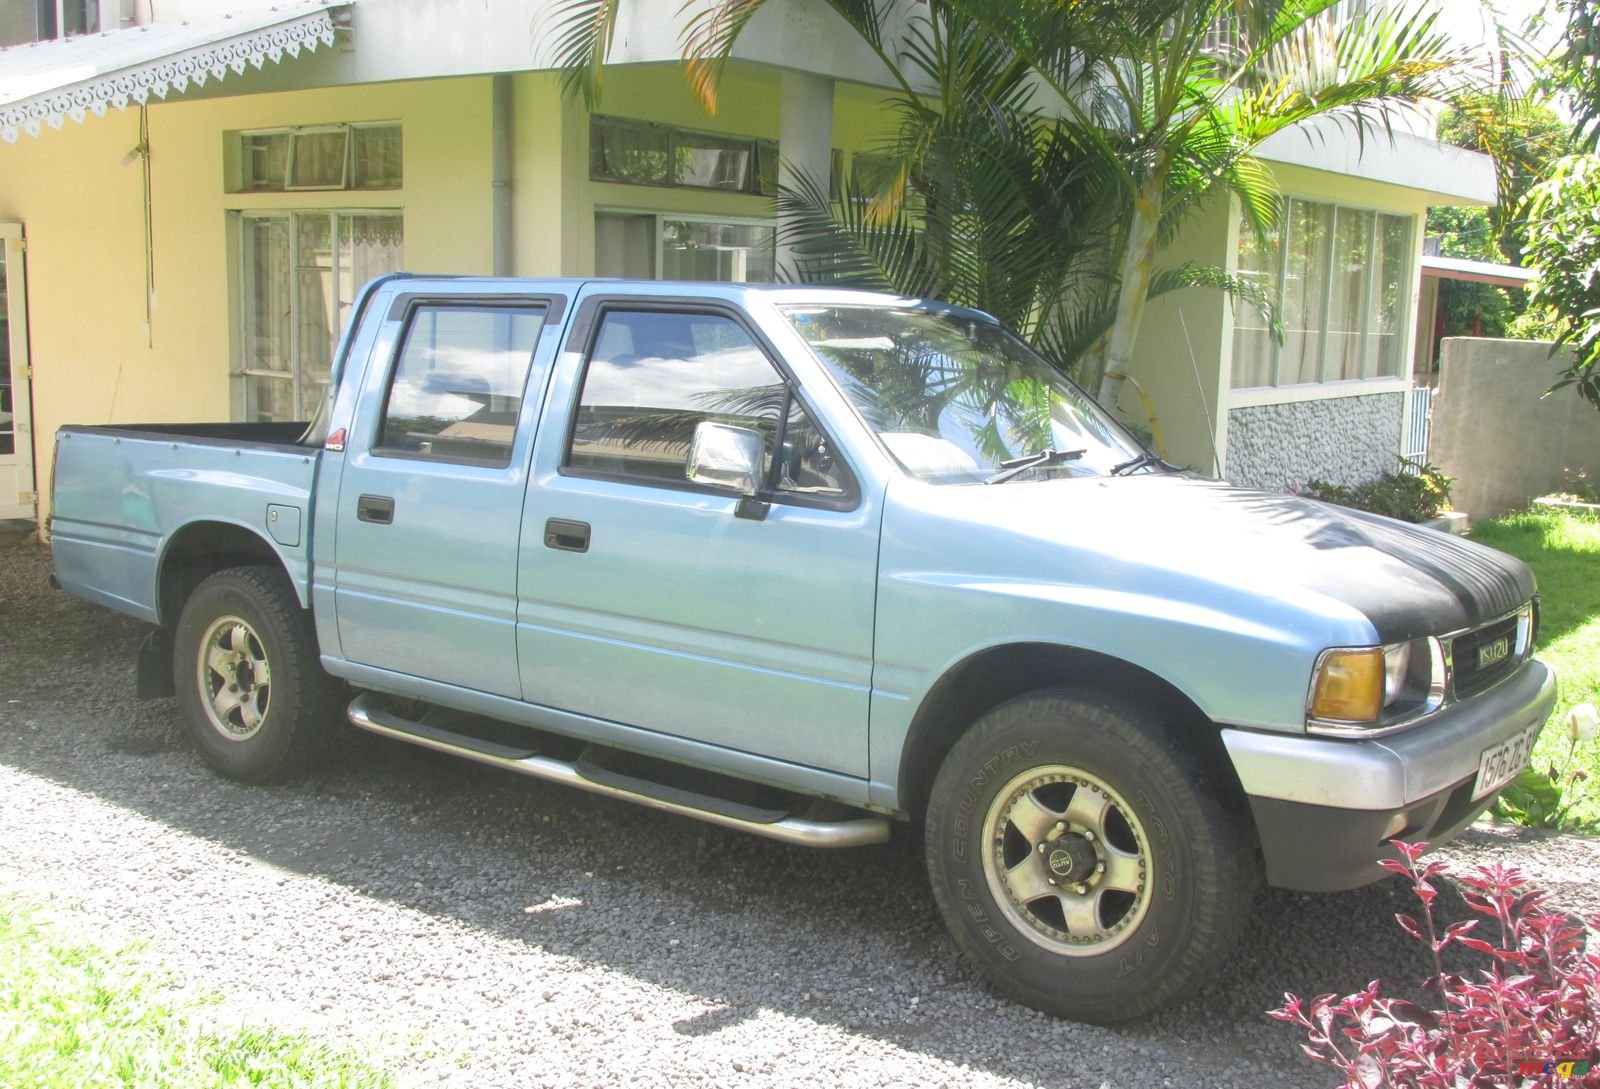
(166, 75)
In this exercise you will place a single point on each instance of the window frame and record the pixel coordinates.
(289, 184)
(585, 337)
(1275, 389)
(236, 158)
(549, 307)
(238, 291)
(658, 241)
(761, 179)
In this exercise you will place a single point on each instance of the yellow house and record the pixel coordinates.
(188, 205)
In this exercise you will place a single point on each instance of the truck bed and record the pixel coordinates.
(126, 494)
(237, 434)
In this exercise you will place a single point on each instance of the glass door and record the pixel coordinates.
(16, 431)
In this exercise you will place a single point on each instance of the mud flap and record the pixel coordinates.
(155, 666)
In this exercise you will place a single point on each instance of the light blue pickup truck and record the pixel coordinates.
(806, 562)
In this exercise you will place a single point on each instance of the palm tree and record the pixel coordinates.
(1053, 218)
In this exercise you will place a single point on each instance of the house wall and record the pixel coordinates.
(1342, 440)
(1496, 434)
(1175, 358)
(95, 357)
(97, 360)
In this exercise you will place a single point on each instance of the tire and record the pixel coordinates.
(1085, 863)
(243, 627)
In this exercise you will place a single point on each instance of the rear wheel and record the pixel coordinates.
(1085, 862)
(256, 699)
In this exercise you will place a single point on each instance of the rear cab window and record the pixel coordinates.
(456, 390)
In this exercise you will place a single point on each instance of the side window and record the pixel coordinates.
(652, 377)
(458, 383)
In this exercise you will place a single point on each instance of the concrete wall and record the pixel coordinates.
(1342, 440)
(1497, 436)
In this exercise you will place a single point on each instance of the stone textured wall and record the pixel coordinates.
(1498, 436)
(1343, 440)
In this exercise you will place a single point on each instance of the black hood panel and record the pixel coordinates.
(1409, 581)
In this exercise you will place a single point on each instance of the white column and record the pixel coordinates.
(805, 140)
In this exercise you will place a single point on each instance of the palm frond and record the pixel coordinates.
(583, 32)
(711, 31)
(1238, 288)
(836, 242)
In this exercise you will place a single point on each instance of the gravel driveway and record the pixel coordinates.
(472, 928)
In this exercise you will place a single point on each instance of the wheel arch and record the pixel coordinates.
(200, 549)
(991, 676)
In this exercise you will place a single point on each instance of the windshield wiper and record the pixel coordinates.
(1146, 458)
(1009, 469)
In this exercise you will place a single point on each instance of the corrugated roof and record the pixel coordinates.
(47, 83)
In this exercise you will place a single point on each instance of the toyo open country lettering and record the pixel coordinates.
(809, 563)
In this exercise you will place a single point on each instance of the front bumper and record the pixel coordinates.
(1322, 805)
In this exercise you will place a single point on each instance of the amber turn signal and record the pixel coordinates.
(1348, 686)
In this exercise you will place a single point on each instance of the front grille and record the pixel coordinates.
(1472, 674)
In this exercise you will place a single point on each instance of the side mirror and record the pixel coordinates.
(724, 456)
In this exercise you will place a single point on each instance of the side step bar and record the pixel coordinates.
(586, 774)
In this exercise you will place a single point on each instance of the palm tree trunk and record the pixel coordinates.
(1138, 262)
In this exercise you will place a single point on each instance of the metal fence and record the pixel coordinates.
(1416, 444)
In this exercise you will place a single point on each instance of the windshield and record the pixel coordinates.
(954, 397)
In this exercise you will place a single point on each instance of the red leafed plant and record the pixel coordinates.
(1529, 1019)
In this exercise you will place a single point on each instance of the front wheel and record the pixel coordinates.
(256, 699)
(1084, 861)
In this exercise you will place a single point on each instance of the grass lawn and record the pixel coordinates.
(1563, 548)
(76, 1017)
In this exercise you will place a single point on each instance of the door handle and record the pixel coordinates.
(566, 536)
(377, 509)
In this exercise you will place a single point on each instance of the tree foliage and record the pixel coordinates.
(1564, 245)
(1047, 151)
(1525, 138)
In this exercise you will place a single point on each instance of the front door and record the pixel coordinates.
(430, 496)
(649, 600)
(16, 431)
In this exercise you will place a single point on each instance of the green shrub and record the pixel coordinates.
(1410, 497)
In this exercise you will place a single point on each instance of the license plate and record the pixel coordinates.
(1500, 763)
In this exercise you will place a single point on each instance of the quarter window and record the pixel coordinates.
(458, 383)
(652, 377)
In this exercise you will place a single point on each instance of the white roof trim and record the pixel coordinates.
(47, 83)
(1482, 272)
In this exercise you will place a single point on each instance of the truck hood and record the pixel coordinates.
(1406, 580)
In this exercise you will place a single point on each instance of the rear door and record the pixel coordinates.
(655, 602)
(430, 495)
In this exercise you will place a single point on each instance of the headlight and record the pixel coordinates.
(1361, 688)
(1396, 665)
(1348, 686)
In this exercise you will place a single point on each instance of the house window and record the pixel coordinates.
(298, 273)
(23, 21)
(1341, 278)
(638, 246)
(645, 153)
(315, 157)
